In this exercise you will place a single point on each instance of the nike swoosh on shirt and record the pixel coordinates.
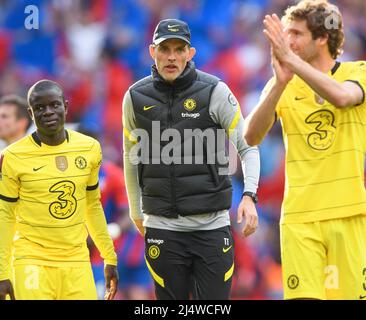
(224, 250)
(148, 107)
(39, 168)
(299, 98)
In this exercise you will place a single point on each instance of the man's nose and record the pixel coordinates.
(171, 56)
(48, 110)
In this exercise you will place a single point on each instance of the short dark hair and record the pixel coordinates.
(21, 106)
(44, 84)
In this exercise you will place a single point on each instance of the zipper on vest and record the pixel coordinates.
(172, 167)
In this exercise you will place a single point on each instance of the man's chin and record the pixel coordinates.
(170, 77)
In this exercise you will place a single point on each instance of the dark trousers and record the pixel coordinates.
(200, 263)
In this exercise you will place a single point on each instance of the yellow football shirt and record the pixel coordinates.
(49, 196)
(325, 150)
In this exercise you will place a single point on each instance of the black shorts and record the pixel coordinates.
(200, 263)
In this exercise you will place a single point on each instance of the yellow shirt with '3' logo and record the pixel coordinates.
(49, 201)
(325, 150)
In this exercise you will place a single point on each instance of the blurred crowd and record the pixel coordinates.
(97, 48)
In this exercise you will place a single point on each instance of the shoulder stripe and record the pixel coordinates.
(235, 121)
(8, 199)
(129, 136)
(90, 188)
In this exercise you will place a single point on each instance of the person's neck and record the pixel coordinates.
(323, 63)
(53, 140)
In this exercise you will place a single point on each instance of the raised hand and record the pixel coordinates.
(282, 73)
(274, 32)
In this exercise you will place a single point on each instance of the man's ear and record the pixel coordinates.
(66, 104)
(30, 112)
(323, 40)
(192, 52)
(152, 51)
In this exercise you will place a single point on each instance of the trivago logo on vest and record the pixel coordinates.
(188, 146)
(190, 115)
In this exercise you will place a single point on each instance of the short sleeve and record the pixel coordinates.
(9, 183)
(358, 76)
(95, 166)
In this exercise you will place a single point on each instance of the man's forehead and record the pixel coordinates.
(7, 106)
(173, 43)
(297, 25)
(51, 93)
(8, 110)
